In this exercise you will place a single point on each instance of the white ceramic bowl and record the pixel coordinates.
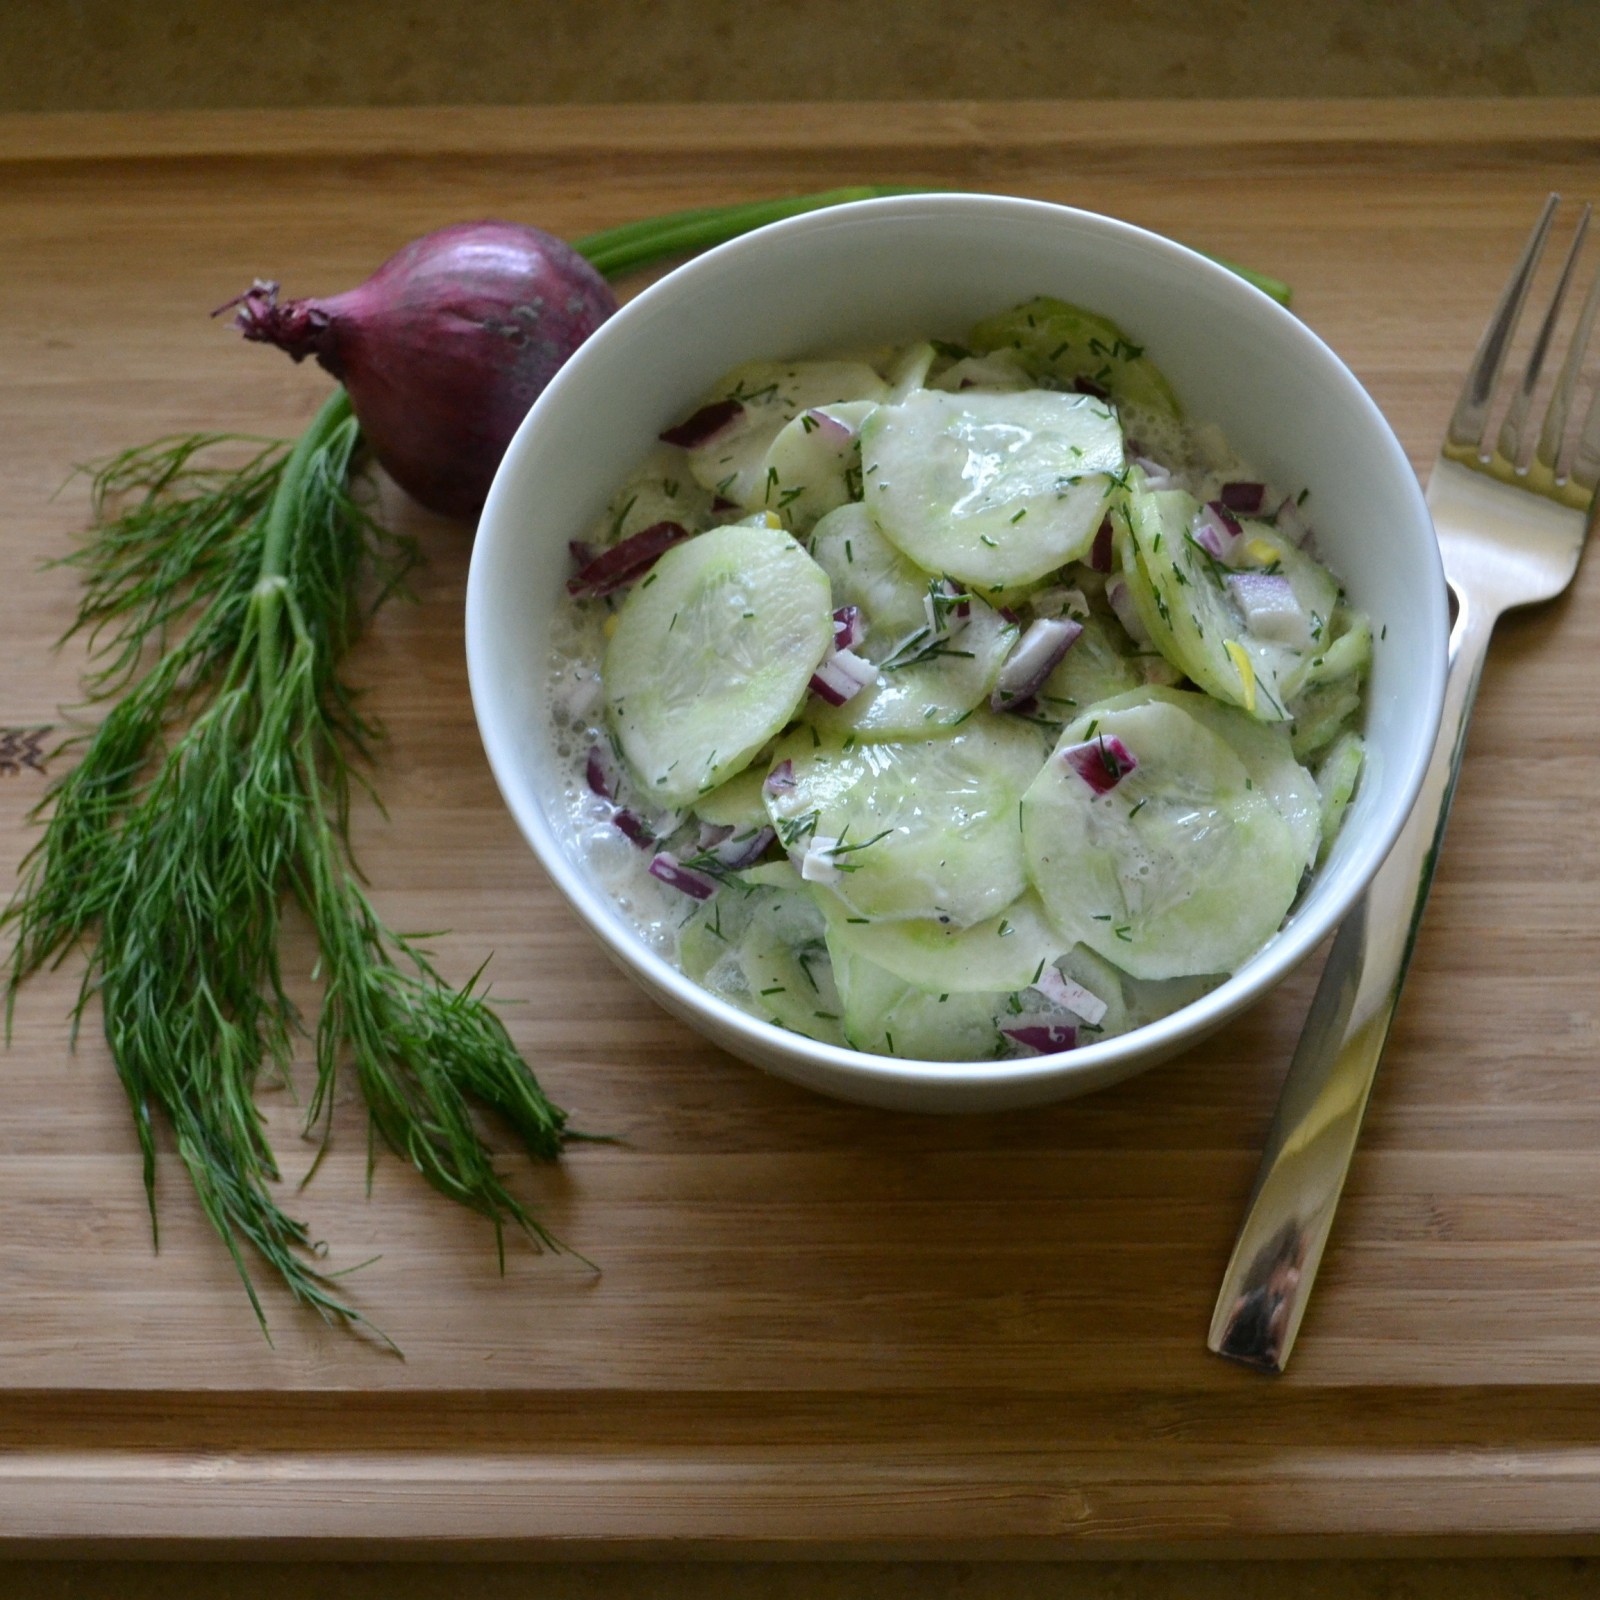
(889, 271)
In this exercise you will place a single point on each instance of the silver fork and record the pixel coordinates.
(1511, 522)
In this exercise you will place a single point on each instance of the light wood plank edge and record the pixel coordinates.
(688, 130)
(287, 1505)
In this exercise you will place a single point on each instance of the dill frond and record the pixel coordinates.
(218, 605)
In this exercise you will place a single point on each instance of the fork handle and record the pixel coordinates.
(1313, 1136)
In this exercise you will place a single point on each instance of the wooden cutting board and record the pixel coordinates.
(814, 1328)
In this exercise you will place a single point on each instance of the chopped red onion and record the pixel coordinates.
(841, 676)
(833, 429)
(1060, 602)
(1054, 985)
(1156, 476)
(1120, 599)
(1290, 523)
(623, 563)
(1033, 660)
(1090, 387)
(1102, 762)
(818, 864)
(632, 826)
(1043, 1038)
(600, 772)
(582, 551)
(1245, 497)
(1100, 550)
(1229, 522)
(1216, 529)
(848, 628)
(780, 780)
(741, 850)
(1271, 610)
(712, 834)
(704, 425)
(686, 880)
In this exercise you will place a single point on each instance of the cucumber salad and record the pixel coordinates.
(956, 702)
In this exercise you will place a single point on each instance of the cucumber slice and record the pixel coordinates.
(919, 830)
(1181, 595)
(1100, 664)
(910, 372)
(1062, 345)
(1003, 953)
(867, 571)
(1002, 371)
(1346, 653)
(1107, 984)
(711, 655)
(993, 489)
(738, 803)
(1180, 868)
(733, 463)
(661, 490)
(773, 875)
(1337, 777)
(771, 962)
(814, 465)
(886, 1016)
(1321, 714)
(930, 693)
(1269, 761)
(1151, 999)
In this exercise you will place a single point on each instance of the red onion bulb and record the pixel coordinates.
(444, 348)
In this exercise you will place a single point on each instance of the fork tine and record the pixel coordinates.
(1550, 454)
(1472, 409)
(1511, 440)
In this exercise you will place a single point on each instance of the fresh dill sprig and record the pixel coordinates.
(219, 604)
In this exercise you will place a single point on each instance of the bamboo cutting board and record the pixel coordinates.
(815, 1328)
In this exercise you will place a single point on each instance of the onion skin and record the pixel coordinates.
(444, 348)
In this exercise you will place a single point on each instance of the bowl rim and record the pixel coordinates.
(762, 1040)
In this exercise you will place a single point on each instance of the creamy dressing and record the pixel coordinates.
(1197, 459)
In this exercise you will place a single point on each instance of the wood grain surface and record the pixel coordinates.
(815, 1328)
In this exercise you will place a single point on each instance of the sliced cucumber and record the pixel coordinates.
(1337, 777)
(765, 954)
(913, 830)
(1151, 999)
(1003, 371)
(661, 490)
(868, 572)
(1100, 664)
(712, 653)
(1005, 952)
(733, 463)
(738, 803)
(1181, 595)
(814, 465)
(773, 875)
(1264, 748)
(928, 692)
(993, 489)
(910, 372)
(886, 1016)
(1063, 345)
(1106, 983)
(1344, 652)
(1321, 714)
(1180, 868)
